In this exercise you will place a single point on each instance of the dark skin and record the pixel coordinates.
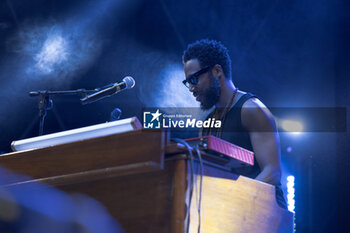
(256, 119)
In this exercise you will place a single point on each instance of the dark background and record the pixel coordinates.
(289, 53)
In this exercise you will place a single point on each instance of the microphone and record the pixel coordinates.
(111, 89)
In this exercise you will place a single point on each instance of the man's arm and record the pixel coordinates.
(259, 122)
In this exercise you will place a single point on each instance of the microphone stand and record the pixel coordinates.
(45, 102)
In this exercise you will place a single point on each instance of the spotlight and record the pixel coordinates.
(291, 193)
(294, 127)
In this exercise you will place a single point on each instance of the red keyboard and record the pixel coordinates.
(223, 152)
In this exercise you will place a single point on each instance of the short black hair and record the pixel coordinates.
(209, 52)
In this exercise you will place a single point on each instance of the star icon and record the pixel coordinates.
(156, 115)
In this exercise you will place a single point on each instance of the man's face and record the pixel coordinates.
(207, 90)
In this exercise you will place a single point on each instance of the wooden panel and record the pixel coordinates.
(149, 202)
(113, 169)
(179, 184)
(110, 151)
(239, 206)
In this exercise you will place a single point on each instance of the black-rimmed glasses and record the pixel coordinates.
(194, 78)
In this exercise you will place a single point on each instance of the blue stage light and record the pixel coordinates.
(291, 193)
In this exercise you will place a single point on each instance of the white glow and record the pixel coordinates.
(290, 179)
(291, 202)
(53, 53)
(290, 185)
(292, 126)
(291, 193)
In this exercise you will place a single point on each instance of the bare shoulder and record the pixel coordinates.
(256, 116)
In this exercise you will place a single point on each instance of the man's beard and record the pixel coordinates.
(212, 94)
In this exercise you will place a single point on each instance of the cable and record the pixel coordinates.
(193, 182)
(192, 178)
(200, 187)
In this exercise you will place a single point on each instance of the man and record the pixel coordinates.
(246, 120)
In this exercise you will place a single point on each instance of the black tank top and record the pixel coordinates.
(234, 132)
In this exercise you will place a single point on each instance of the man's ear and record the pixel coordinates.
(218, 71)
